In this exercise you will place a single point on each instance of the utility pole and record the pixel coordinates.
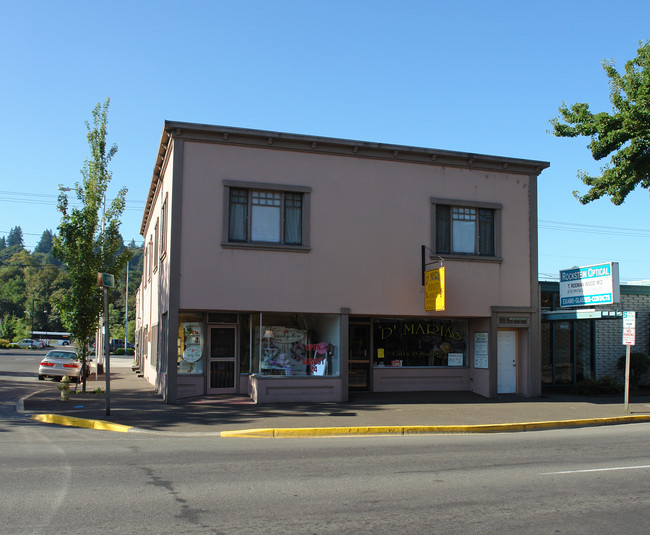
(106, 281)
(126, 309)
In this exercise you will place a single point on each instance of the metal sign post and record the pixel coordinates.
(107, 359)
(629, 339)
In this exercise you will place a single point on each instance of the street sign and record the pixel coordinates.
(434, 290)
(105, 280)
(629, 328)
(590, 285)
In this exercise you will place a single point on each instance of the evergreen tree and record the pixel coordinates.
(15, 238)
(45, 245)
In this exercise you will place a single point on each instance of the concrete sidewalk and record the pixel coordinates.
(136, 407)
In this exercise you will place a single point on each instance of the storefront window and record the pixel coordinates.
(547, 353)
(298, 345)
(414, 342)
(563, 358)
(567, 352)
(190, 344)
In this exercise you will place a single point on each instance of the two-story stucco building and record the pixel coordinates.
(290, 267)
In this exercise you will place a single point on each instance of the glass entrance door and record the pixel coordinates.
(359, 357)
(223, 360)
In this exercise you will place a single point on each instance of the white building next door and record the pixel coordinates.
(506, 362)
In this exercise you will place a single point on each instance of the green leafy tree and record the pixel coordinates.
(88, 243)
(116, 317)
(17, 328)
(624, 134)
(3, 243)
(42, 280)
(13, 288)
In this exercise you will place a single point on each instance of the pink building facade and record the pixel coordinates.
(290, 268)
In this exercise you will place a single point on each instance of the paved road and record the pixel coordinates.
(19, 377)
(587, 481)
(592, 480)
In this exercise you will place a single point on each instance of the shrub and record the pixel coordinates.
(4, 344)
(639, 365)
(596, 387)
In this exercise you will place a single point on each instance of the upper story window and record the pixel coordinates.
(149, 252)
(155, 247)
(266, 215)
(463, 228)
(145, 265)
(163, 229)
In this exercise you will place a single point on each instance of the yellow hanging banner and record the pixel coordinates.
(434, 290)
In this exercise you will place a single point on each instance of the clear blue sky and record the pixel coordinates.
(474, 76)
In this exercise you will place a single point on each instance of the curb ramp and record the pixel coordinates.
(69, 421)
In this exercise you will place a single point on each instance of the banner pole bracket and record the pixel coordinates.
(425, 263)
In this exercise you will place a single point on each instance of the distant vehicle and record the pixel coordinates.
(31, 343)
(58, 363)
(53, 338)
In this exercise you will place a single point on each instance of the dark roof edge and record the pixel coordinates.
(241, 135)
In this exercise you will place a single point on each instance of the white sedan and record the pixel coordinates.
(30, 343)
(58, 363)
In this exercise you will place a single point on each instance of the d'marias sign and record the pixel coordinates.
(590, 285)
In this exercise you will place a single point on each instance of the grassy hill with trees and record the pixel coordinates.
(32, 285)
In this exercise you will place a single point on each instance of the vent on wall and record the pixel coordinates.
(512, 321)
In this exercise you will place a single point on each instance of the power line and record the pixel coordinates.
(50, 199)
(594, 229)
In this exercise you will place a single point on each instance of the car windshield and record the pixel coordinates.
(61, 355)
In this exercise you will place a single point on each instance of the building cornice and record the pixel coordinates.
(226, 135)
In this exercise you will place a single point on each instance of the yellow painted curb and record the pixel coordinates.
(428, 429)
(69, 421)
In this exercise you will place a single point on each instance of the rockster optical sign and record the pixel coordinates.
(590, 285)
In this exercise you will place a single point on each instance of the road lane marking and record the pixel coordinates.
(614, 468)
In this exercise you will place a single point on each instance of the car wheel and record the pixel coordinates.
(41, 377)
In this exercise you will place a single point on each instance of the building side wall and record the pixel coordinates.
(154, 287)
